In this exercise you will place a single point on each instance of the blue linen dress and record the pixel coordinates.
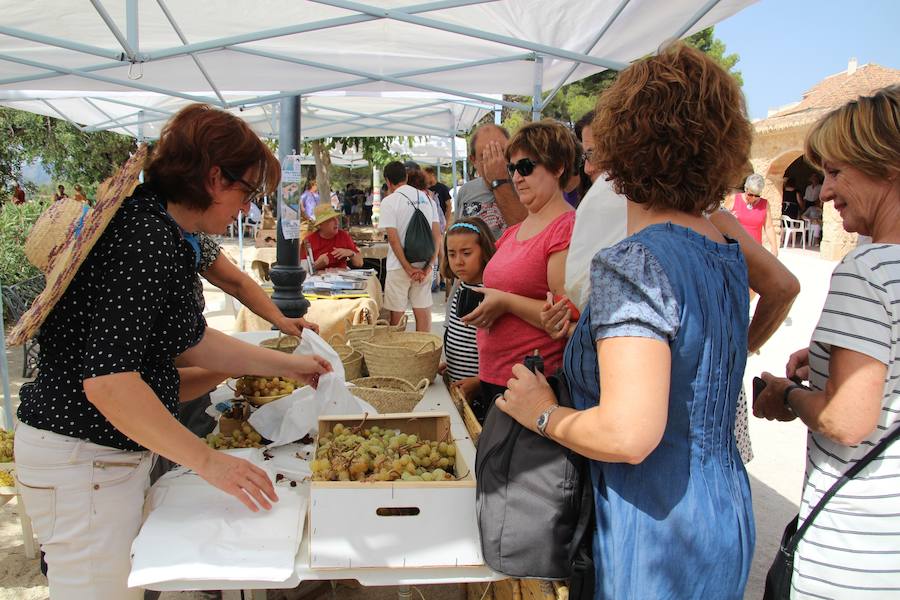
(680, 524)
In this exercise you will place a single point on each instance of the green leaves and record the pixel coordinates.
(70, 155)
(15, 224)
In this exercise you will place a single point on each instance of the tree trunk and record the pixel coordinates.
(323, 170)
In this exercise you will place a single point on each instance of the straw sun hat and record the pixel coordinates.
(62, 238)
(323, 213)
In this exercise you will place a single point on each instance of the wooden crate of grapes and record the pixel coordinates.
(404, 497)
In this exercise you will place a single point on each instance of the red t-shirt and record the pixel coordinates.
(521, 268)
(753, 218)
(322, 246)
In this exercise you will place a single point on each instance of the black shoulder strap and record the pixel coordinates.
(408, 199)
(847, 476)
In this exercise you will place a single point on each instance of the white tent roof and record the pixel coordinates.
(244, 53)
(325, 114)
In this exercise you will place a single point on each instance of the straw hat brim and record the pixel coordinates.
(75, 251)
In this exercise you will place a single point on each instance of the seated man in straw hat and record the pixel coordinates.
(331, 246)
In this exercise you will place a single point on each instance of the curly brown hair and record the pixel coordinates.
(198, 138)
(549, 143)
(672, 131)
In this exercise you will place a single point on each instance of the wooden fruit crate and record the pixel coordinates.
(395, 523)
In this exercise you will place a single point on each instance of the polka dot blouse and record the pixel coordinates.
(130, 308)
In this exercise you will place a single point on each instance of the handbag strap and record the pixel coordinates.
(847, 476)
(411, 203)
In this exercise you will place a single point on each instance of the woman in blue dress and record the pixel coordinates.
(664, 337)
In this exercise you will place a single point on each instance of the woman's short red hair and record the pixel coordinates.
(198, 138)
(672, 131)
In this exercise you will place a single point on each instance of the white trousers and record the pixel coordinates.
(85, 501)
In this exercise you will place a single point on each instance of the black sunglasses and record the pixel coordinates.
(524, 166)
(253, 192)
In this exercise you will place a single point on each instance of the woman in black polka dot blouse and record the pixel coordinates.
(126, 343)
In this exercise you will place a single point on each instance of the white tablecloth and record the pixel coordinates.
(437, 398)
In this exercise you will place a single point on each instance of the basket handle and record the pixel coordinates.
(422, 385)
(338, 336)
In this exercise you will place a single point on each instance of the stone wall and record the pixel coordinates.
(836, 242)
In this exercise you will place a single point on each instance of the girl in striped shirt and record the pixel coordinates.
(468, 246)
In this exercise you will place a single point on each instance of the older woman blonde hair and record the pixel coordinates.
(862, 133)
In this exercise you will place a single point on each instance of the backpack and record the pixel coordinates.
(418, 243)
(534, 502)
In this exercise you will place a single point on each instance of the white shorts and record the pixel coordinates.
(400, 291)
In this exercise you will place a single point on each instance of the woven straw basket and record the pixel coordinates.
(352, 360)
(368, 332)
(389, 394)
(412, 355)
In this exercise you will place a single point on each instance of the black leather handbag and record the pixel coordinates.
(778, 579)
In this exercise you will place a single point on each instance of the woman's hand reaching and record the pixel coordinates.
(240, 478)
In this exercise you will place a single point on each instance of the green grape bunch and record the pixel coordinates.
(6, 445)
(243, 437)
(380, 454)
(6, 479)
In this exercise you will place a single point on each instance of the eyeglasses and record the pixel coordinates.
(753, 195)
(588, 156)
(252, 192)
(524, 167)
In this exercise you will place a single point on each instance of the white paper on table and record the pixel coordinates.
(196, 531)
(312, 343)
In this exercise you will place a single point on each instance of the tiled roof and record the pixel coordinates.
(831, 92)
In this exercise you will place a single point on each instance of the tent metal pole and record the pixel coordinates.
(62, 43)
(453, 154)
(362, 116)
(256, 36)
(194, 57)
(63, 115)
(696, 18)
(105, 114)
(406, 17)
(4, 373)
(538, 88)
(120, 82)
(132, 24)
(168, 113)
(140, 128)
(117, 33)
(615, 15)
(498, 114)
(368, 76)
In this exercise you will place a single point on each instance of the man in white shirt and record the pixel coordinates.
(811, 194)
(406, 283)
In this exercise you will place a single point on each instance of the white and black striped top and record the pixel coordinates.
(852, 549)
(460, 347)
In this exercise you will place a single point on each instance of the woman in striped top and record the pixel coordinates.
(852, 549)
(468, 246)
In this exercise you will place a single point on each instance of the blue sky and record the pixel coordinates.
(787, 46)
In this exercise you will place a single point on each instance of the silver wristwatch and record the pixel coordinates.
(544, 419)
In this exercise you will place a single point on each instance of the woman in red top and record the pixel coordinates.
(752, 211)
(331, 246)
(530, 259)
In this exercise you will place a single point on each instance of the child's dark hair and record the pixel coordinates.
(485, 240)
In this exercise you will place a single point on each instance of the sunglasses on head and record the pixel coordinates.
(252, 192)
(524, 166)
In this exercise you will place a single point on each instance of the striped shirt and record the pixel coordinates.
(460, 346)
(852, 549)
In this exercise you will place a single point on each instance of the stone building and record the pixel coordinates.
(777, 150)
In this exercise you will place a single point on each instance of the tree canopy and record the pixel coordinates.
(68, 154)
(574, 100)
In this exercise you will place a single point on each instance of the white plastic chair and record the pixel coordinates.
(790, 228)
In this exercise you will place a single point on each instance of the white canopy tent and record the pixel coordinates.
(134, 62)
(234, 53)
